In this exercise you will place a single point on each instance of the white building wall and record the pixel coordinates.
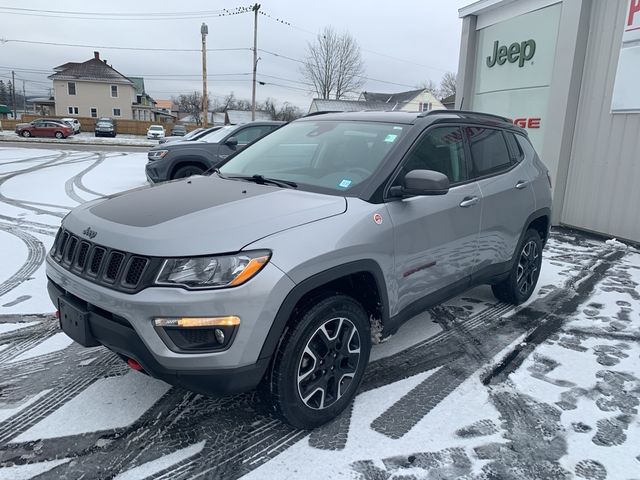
(94, 95)
(602, 191)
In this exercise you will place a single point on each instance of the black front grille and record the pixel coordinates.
(96, 260)
(111, 268)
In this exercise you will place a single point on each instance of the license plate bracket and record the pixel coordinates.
(74, 321)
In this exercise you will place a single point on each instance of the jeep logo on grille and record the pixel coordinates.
(89, 233)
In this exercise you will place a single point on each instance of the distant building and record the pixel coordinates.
(449, 102)
(420, 100)
(237, 117)
(92, 89)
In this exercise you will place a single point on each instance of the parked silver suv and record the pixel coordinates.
(274, 270)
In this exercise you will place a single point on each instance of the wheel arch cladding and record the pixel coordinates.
(362, 280)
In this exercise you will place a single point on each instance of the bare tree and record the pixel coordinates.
(333, 64)
(286, 113)
(191, 103)
(430, 86)
(448, 85)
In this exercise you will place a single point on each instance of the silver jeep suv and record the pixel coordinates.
(279, 268)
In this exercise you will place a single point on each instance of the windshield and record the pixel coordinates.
(331, 155)
(104, 124)
(217, 135)
(155, 127)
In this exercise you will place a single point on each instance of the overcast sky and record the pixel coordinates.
(422, 36)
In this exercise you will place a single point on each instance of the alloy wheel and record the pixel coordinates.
(528, 267)
(328, 363)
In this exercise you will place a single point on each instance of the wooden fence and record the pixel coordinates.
(130, 127)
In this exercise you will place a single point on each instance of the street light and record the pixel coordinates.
(204, 30)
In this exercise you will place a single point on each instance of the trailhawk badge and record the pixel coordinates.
(89, 233)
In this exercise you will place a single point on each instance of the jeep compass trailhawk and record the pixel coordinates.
(274, 270)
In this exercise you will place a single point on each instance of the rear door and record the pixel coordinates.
(436, 236)
(507, 196)
(38, 129)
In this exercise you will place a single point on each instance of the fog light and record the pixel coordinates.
(219, 336)
(196, 322)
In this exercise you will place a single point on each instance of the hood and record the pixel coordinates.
(198, 216)
(182, 144)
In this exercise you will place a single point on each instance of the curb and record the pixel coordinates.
(63, 142)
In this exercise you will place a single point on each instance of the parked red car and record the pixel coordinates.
(44, 128)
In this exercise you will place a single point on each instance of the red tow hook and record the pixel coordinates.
(134, 365)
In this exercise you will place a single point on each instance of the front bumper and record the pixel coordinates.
(124, 324)
(156, 172)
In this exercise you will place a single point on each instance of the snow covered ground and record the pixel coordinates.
(471, 389)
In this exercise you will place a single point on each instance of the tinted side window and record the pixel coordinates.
(526, 146)
(514, 147)
(441, 149)
(488, 150)
(248, 135)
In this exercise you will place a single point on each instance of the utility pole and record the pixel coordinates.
(204, 30)
(13, 93)
(24, 99)
(255, 9)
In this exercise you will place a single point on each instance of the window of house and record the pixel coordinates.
(488, 150)
(116, 112)
(114, 90)
(441, 150)
(94, 112)
(71, 88)
(72, 110)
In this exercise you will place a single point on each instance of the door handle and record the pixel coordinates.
(469, 201)
(521, 184)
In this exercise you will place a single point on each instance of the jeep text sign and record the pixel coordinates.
(516, 52)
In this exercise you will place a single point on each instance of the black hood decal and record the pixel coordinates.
(153, 205)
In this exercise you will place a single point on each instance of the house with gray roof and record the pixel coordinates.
(420, 100)
(93, 89)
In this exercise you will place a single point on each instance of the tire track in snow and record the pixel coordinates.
(76, 180)
(35, 257)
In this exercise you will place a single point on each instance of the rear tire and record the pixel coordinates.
(320, 362)
(187, 171)
(26, 134)
(522, 280)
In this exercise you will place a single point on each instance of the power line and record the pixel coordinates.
(145, 49)
(158, 16)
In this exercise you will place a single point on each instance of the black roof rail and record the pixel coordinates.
(466, 112)
(321, 112)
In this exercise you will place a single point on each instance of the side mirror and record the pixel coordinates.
(231, 142)
(422, 183)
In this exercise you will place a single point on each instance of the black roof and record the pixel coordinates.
(94, 69)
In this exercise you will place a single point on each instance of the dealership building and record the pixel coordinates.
(569, 72)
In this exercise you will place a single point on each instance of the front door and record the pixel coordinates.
(436, 236)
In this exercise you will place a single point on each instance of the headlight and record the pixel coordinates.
(212, 272)
(157, 154)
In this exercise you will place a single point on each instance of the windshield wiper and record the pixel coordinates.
(262, 180)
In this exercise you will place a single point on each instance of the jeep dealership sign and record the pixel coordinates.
(516, 53)
(514, 66)
(626, 90)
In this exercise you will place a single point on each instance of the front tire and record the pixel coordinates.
(320, 362)
(59, 135)
(187, 171)
(522, 280)
(26, 134)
